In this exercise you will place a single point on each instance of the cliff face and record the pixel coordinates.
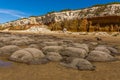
(98, 11)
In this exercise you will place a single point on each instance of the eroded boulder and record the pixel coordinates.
(27, 55)
(107, 49)
(23, 41)
(8, 50)
(113, 50)
(103, 49)
(100, 56)
(52, 49)
(83, 46)
(80, 64)
(53, 56)
(74, 52)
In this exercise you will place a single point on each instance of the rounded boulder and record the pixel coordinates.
(80, 64)
(48, 49)
(53, 56)
(8, 50)
(74, 52)
(27, 55)
(100, 56)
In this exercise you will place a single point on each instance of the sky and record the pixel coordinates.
(15, 9)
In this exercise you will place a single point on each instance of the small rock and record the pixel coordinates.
(98, 39)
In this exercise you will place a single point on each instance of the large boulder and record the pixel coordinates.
(83, 46)
(53, 56)
(80, 64)
(27, 55)
(8, 50)
(23, 41)
(107, 49)
(113, 50)
(19, 42)
(52, 49)
(103, 49)
(74, 52)
(5, 40)
(99, 56)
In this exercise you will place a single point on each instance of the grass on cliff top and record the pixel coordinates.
(106, 4)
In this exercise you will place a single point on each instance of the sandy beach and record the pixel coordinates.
(54, 71)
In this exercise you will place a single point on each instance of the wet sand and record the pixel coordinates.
(54, 71)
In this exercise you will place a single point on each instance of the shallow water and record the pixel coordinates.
(5, 64)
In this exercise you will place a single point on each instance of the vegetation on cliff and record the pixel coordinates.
(106, 4)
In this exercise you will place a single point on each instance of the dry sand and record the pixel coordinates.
(54, 71)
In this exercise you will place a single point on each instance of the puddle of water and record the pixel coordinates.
(5, 64)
